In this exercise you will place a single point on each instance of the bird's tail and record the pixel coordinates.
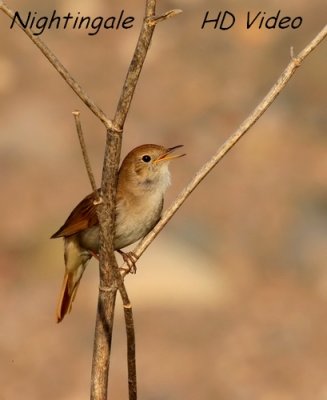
(68, 291)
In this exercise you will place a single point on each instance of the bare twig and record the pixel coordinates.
(108, 265)
(135, 66)
(85, 155)
(230, 142)
(130, 334)
(61, 69)
(166, 15)
(292, 52)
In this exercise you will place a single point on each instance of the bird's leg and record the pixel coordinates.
(130, 259)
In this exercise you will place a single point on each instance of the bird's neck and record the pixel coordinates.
(139, 186)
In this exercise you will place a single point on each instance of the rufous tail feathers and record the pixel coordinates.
(68, 292)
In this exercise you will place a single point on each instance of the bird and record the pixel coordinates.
(143, 179)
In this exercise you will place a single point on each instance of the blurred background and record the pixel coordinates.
(230, 301)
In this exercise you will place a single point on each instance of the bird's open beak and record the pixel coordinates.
(167, 156)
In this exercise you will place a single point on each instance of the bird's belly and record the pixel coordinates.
(130, 227)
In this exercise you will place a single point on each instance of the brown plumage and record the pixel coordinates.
(142, 181)
(82, 217)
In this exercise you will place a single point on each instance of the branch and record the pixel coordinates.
(61, 69)
(163, 17)
(85, 156)
(138, 61)
(229, 143)
(109, 273)
(130, 334)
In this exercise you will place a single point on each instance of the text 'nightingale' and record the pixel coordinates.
(142, 181)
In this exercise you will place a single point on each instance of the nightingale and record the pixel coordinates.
(143, 179)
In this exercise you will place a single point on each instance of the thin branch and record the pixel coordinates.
(108, 264)
(85, 156)
(229, 143)
(130, 334)
(135, 66)
(109, 273)
(61, 69)
(107, 267)
(163, 17)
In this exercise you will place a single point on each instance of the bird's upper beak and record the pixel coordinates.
(167, 156)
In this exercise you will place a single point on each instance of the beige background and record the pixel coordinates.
(230, 302)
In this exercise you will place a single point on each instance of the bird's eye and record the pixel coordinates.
(146, 158)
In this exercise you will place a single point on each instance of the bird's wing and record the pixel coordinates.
(82, 217)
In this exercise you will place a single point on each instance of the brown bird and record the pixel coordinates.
(142, 181)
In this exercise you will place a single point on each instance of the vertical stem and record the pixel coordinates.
(135, 67)
(130, 334)
(106, 214)
(102, 344)
(108, 268)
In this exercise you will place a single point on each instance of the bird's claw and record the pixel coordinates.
(130, 259)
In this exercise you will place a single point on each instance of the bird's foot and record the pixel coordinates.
(130, 259)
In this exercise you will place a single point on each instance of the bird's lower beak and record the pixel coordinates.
(167, 156)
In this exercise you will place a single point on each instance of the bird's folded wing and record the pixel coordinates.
(82, 217)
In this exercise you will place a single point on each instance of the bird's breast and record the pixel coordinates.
(135, 218)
